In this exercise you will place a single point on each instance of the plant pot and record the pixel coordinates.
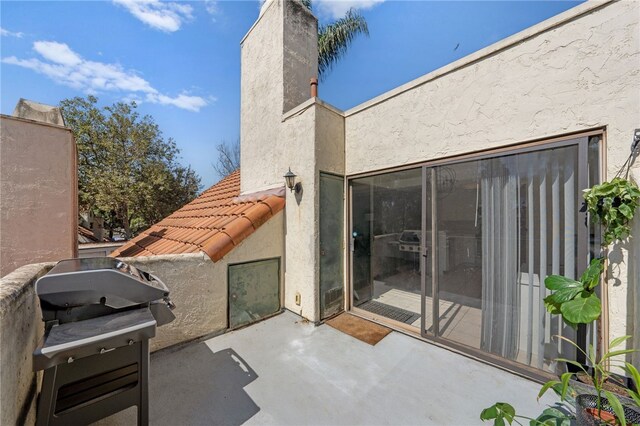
(586, 386)
(587, 414)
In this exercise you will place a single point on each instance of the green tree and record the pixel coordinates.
(127, 172)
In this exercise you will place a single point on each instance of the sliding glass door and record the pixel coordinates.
(460, 249)
(386, 246)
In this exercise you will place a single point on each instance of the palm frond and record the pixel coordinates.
(306, 3)
(334, 39)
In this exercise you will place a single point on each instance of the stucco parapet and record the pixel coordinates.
(293, 112)
(36, 122)
(507, 43)
(16, 283)
(184, 257)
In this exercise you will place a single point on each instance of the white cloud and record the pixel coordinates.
(212, 7)
(7, 33)
(163, 16)
(57, 52)
(66, 67)
(184, 101)
(337, 8)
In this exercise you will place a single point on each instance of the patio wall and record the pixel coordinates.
(576, 71)
(20, 331)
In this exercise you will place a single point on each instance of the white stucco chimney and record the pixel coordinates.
(279, 55)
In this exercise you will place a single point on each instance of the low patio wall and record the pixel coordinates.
(199, 290)
(20, 330)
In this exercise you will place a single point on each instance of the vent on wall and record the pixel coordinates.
(332, 296)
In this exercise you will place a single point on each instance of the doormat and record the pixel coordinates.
(366, 331)
(390, 312)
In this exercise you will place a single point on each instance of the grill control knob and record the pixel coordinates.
(70, 359)
(130, 342)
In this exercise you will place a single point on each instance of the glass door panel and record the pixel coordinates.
(504, 224)
(461, 250)
(386, 245)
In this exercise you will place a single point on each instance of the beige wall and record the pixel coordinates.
(198, 286)
(20, 331)
(38, 201)
(279, 56)
(579, 70)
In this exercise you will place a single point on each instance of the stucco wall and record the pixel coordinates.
(20, 331)
(579, 70)
(301, 218)
(38, 206)
(279, 56)
(198, 286)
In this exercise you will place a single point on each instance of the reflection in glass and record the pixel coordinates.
(501, 225)
(386, 239)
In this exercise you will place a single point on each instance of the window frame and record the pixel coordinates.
(428, 166)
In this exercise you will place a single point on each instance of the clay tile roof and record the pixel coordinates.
(215, 222)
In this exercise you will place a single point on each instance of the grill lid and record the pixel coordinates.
(99, 280)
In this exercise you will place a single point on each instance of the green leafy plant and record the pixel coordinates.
(613, 204)
(600, 374)
(503, 413)
(575, 300)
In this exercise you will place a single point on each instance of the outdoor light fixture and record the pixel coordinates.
(290, 179)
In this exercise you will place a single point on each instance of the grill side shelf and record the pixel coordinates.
(67, 342)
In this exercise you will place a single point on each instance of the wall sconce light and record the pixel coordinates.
(290, 179)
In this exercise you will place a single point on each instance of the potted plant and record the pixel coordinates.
(600, 407)
(613, 205)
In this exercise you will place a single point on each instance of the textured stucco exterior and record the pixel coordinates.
(282, 127)
(279, 57)
(579, 70)
(198, 286)
(38, 188)
(20, 331)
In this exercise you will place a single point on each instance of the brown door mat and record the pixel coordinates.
(367, 331)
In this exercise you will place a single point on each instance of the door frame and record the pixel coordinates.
(567, 139)
(342, 250)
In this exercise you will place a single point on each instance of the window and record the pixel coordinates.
(458, 251)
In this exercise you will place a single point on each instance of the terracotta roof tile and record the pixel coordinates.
(215, 222)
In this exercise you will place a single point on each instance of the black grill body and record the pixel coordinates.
(99, 315)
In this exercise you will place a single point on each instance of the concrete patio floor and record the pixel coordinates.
(284, 371)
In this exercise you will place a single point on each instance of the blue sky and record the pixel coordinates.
(181, 60)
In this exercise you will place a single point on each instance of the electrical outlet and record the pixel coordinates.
(298, 297)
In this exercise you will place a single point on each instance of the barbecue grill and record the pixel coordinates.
(99, 315)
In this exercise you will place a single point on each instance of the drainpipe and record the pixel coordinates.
(314, 87)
